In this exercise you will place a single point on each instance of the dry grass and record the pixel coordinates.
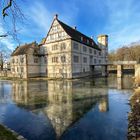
(134, 116)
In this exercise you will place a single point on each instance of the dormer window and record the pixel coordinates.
(87, 41)
(92, 43)
(81, 38)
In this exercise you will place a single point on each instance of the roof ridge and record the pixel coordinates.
(27, 44)
(74, 29)
(22, 49)
(76, 35)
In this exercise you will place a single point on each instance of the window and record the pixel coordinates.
(84, 49)
(83, 69)
(55, 36)
(99, 61)
(45, 59)
(59, 34)
(55, 59)
(22, 69)
(94, 51)
(13, 60)
(55, 28)
(63, 46)
(81, 38)
(76, 59)
(17, 69)
(75, 46)
(21, 60)
(51, 37)
(63, 59)
(35, 60)
(62, 34)
(95, 61)
(91, 57)
(17, 60)
(85, 59)
(54, 47)
(87, 41)
(90, 50)
(99, 53)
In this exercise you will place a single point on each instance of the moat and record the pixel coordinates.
(85, 109)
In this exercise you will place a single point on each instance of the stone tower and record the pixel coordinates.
(103, 44)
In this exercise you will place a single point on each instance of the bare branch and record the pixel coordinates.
(4, 13)
(5, 35)
(11, 9)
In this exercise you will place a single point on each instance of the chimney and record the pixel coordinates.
(74, 27)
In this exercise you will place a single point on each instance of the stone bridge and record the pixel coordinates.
(120, 65)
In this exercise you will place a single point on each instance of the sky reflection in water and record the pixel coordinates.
(80, 109)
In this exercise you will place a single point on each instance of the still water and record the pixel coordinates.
(88, 109)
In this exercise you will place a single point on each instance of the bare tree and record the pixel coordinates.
(131, 53)
(112, 56)
(2, 60)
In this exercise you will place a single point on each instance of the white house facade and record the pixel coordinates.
(72, 54)
(64, 53)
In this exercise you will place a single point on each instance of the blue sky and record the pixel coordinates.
(120, 19)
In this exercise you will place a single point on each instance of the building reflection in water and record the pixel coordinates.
(69, 101)
(63, 102)
(126, 82)
(31, 95)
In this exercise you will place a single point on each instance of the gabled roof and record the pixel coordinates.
(20, 50)
(78, 36)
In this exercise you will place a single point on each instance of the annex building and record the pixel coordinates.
(64, 53)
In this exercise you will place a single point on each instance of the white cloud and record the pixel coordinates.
(40, 16)
(123, 25)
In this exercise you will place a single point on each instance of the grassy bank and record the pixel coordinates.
(6, 134)
(134, 117)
